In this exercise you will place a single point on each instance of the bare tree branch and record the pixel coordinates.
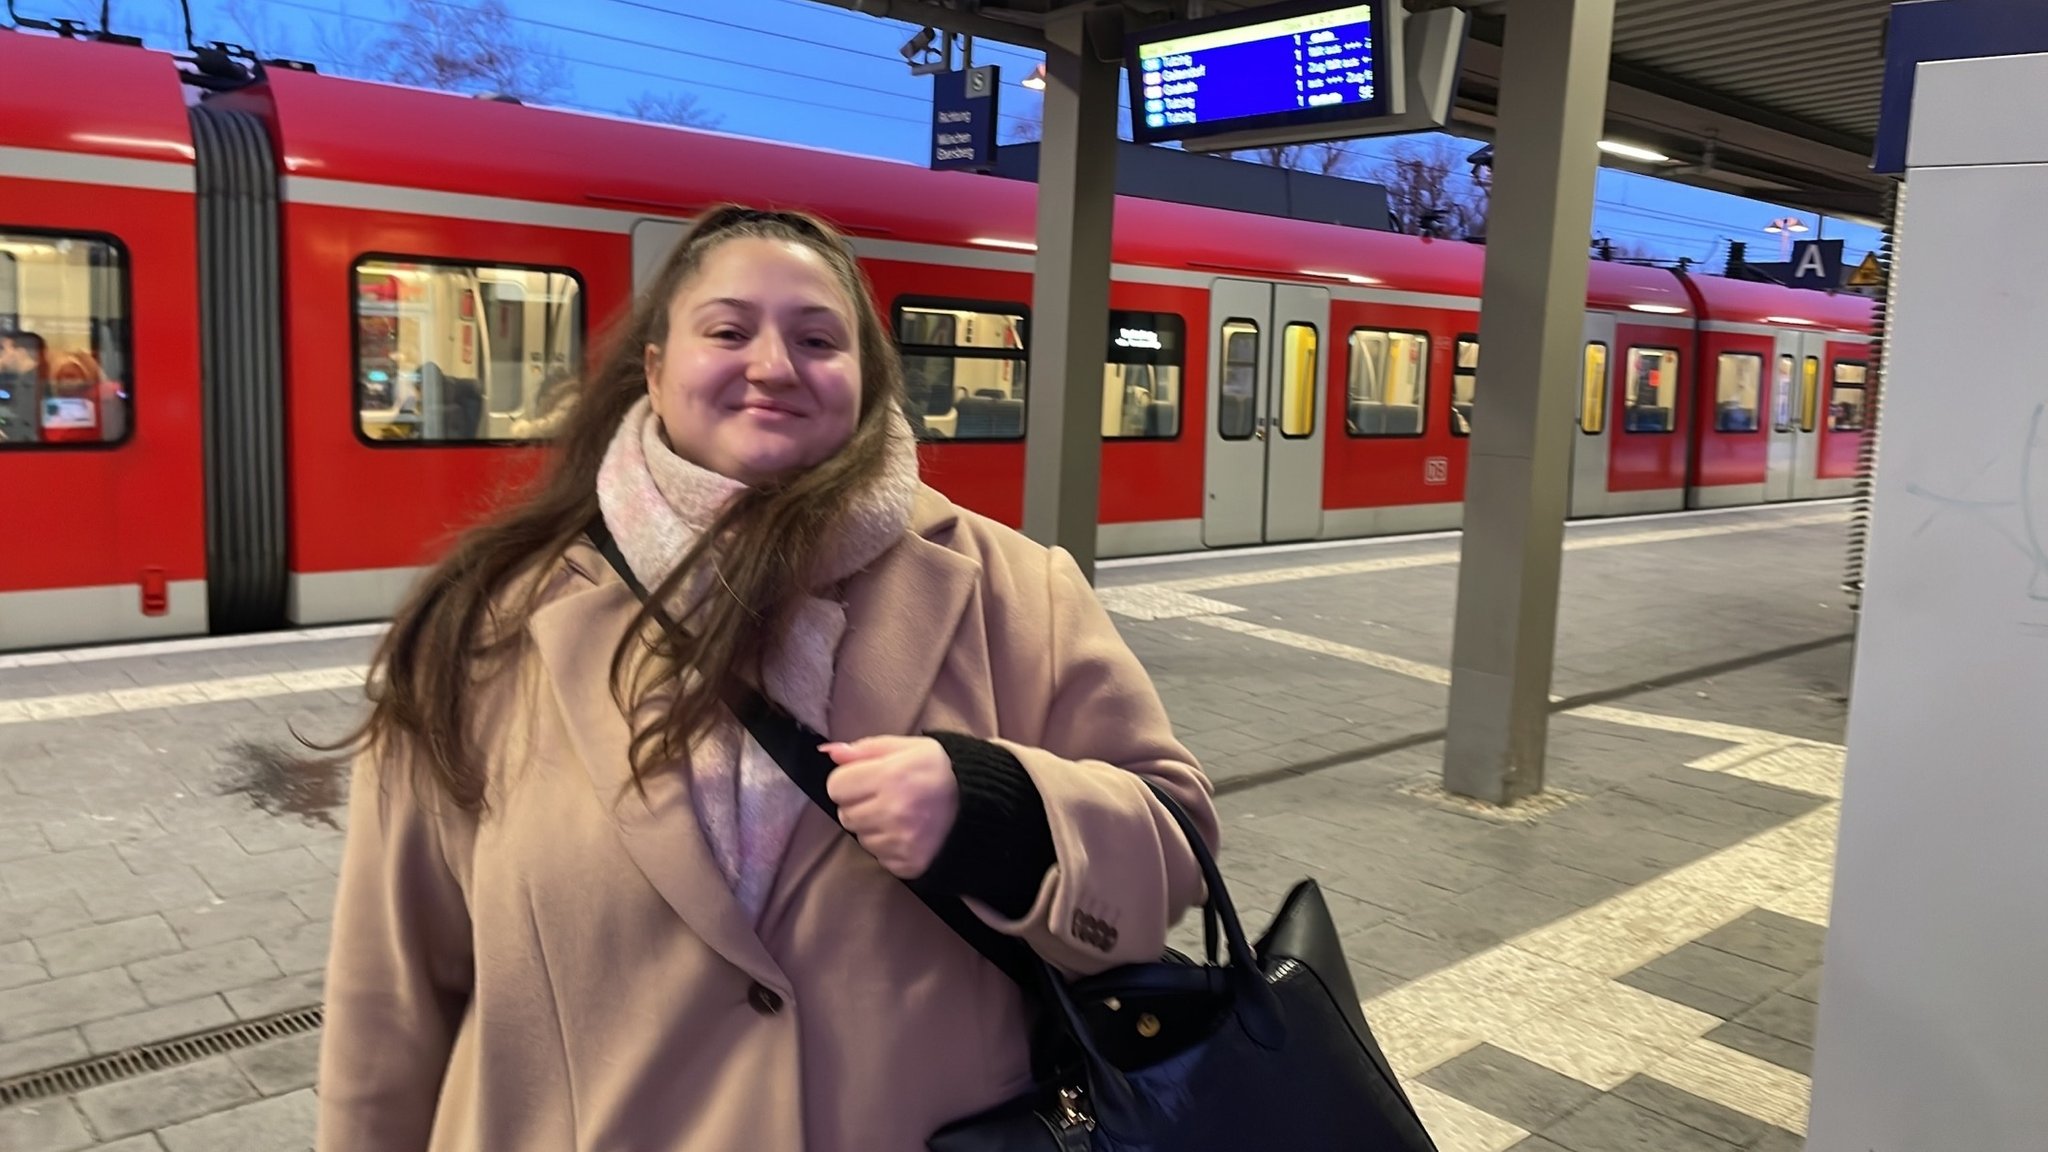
(1428, 193)
(255, 29)
(679, 108)
(1327, 158)
(473, 47)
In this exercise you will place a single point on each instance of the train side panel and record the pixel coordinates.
(1390, 467)
(104, 536)
(376, 353)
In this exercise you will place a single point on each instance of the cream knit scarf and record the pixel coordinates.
(657, 505)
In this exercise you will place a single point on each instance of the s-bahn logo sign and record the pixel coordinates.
(964, 118)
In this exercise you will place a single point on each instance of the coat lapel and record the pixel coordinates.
(575, 635)
(901, 615)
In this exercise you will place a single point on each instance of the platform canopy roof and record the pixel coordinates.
(1774, 99)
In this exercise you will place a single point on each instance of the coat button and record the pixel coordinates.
(764, 999)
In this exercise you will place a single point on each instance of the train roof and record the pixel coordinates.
(362, 131)
(1752, 302)
(137, 110)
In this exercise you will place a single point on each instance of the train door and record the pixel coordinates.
(1264, 464)
(1793, 472)
(1590, 437)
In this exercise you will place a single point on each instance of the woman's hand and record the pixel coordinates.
(898, 795)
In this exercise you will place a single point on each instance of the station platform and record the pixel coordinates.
(1629, 961)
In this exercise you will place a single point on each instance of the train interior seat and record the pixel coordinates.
(989, 417)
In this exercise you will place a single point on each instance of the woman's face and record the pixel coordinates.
(760, 374)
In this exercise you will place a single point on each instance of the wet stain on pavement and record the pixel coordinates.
(280, 783)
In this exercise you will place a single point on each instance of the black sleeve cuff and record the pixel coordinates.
(1000, 847)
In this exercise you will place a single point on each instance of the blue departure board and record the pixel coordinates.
(1261, 71)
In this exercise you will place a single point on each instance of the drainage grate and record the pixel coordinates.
(66, 1079)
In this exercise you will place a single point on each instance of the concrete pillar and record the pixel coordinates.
(1553, 96)
(1070, 293)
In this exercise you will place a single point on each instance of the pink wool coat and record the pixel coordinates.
(570, 971)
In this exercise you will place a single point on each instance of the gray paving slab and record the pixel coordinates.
(1745, 982)
(279, 1124)
(1765, 1046)
(157, 854)
(1615, 1124)
(1767, 937)
(1503, 1084)
(1677, 1104)
(1807, 987)
(44, 1126)
(158, 1099)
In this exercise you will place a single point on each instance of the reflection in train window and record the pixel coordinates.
(1650, 400)
(65, 375)
(1781, 395)
(1141, 380)
(964, 368)
(1464, 382)
(1389, 388)
(1298, 377)
(1845, 407)
(464, 353)
(1237, 408)
(1593, 391)
(1738, 381)
(1809, 394)
(10, 291)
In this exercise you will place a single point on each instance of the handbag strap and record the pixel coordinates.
(793, 745)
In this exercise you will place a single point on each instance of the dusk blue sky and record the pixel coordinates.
(811, 73)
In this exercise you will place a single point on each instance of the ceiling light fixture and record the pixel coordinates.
(1633, 152)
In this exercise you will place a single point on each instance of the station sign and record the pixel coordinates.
(1293, 66)
(1817, 264)
(964, 119)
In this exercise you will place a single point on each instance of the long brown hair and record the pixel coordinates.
(761, 546)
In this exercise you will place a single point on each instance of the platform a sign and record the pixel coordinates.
(1817, 264)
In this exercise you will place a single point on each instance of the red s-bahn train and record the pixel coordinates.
(265, 345)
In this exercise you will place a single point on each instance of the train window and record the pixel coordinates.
(1141, 380)
(1845, 407)
(964, 368)
(1298, 381)
(65, 372)
(1593, 391)
(1464, 383)
(1809, 394)
(1389, 387)
(1738, 381)
(464, 353)
(1237, 411)
(1781, 396)
(1650, 399)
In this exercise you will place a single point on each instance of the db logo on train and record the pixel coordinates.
(1436, 470)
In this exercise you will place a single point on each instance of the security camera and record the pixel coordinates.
(917, 45)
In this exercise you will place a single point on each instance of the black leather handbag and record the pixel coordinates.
(1265, 1047)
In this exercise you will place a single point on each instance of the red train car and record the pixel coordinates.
(396, 290)
(102, 528)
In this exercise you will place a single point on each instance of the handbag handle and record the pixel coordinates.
(793, 746)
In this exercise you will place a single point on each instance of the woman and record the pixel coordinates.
(557, 928)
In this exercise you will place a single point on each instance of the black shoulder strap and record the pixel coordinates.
(794, 747)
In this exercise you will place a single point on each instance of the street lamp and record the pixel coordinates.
(1036, 81)
(1784, 227)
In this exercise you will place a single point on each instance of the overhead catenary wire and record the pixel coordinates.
(1609, 207)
